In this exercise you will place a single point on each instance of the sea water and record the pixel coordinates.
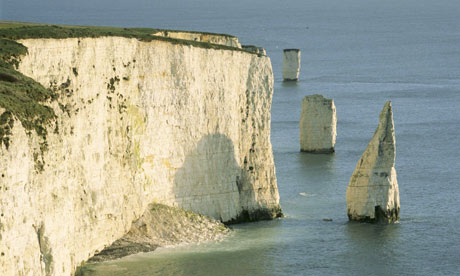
(361, 53)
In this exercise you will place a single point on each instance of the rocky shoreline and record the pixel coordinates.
(162, 226)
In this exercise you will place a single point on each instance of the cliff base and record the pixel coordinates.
(162, 225)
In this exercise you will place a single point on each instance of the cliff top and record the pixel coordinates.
(14, 24)
(20, 30)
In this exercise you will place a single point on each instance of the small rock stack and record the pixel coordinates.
(318, 125)
(291, 64)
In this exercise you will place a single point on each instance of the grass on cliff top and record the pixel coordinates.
(15, 24)
(17, 30)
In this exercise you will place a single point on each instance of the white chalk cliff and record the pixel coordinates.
(318, 124)
(373, 193)
(137, 123)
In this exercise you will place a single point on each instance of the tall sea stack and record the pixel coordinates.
(291, 64)
(373, 193)
(318, 124)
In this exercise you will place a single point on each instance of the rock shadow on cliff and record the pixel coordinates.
(211, 182)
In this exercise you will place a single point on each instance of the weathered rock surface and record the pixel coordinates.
(373, 192)
(162, 226)
(255, 49)
(137, 122)
(220, 39)
(318, 124)
(291, 64)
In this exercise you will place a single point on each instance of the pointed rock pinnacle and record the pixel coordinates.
(373, 193)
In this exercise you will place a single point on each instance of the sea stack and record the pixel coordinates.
(291, 64)
(318, 124)
(373, 193)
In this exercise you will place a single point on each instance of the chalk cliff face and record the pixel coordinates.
(373, 192)
(137, 122)
(318, 124)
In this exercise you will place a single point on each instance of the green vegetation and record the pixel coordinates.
(55, 31)
(20, 96)
(10, 51)
(15, 24)
(111, 84)
(15, 30)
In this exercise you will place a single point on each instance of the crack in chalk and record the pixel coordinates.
(45, 252)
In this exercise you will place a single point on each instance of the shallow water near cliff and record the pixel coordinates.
(361, 53)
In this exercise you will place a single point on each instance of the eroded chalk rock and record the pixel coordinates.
(318, 124)
(221, 39)
(373, 193)
(291, 64)
(255, 49)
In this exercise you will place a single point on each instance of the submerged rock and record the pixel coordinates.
(161, 226)
(373, 193)
(318, 124)
(291, 64)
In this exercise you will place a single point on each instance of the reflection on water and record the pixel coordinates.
(374, 247)
(364, 234)
(289, 84)
(311, 161)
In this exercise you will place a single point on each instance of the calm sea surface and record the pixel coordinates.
(361, 53)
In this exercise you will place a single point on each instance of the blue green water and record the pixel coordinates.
(361, 53)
